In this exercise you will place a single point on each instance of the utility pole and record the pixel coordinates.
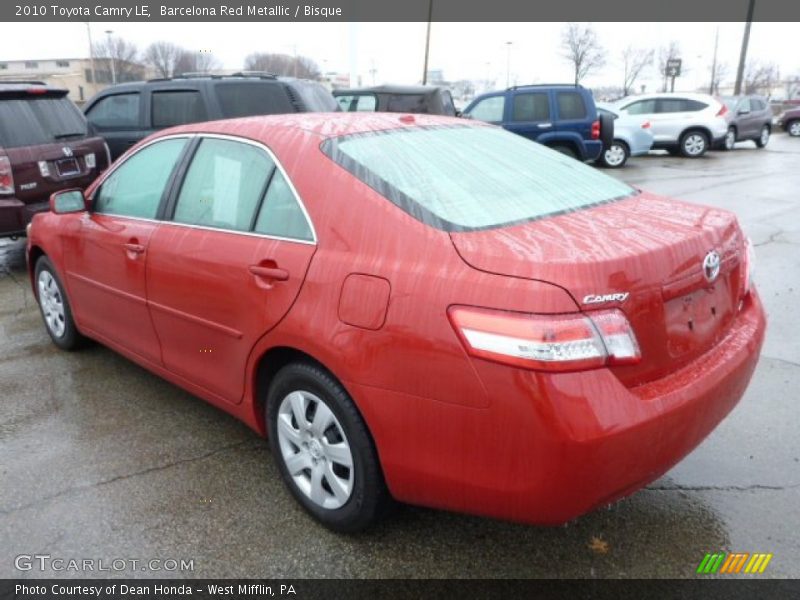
(508, 64)
(111, 54)
(743, 54)
(714, 64)
(427, 43)
(91, 56)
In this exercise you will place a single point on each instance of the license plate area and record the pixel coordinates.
(695, 321)
(67, 167)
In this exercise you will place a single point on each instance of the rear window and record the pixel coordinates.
(249, 99)
(37, 120)
(435, 175)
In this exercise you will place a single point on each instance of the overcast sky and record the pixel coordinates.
(395, 50)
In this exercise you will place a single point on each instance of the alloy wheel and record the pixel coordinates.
(694, 144)
(52, 302)
(615, 155)
(764, 136)
(794, 128)
(730, 139)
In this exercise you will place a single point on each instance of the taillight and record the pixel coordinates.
(748, 265)
(570, 342)
(646, 125)
(90, 160)
(722, 111)
(37, 91)
(6, 176)
(596, 130)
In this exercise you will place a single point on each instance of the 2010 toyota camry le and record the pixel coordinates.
(411, 307)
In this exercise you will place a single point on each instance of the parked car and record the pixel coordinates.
(560, 116)
(499, 332)
(418, 99)
(632, 137)
(44, 147)
(789, 121)
(749, 118)
(685, 124)
(126, 113)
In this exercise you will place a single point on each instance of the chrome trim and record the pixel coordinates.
(233, 138)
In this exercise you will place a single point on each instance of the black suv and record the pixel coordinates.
(44, 148)
(126, 113)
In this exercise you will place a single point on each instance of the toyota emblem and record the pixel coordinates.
(67, 151)
(711, 265)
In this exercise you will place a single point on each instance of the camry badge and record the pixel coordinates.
(711, 264)
(67, 151)
(597, 298)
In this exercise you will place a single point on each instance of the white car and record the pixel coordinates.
(686, 124)
(633, 136)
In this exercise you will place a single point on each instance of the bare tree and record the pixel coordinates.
(163, 56)
(666, 54)
(125, 56)
(634, 61)
(760, 78)
(581, 48)
(283, 64)
(720, 73)
(189, 61)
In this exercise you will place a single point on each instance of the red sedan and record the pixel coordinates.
(410, 307)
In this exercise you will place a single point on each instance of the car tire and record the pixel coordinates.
(793, 128)
(763, 139)
(615, 156)
(730, 139)
(54, 307)
(323, 449)
(693, 144)
(565, 150)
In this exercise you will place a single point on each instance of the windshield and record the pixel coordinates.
(465, 178)
(38, 120)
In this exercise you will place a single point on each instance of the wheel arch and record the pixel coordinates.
(700, 128)
(34, 254)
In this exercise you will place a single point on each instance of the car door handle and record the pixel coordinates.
(134, 248)
(273, 273)
(544, 125)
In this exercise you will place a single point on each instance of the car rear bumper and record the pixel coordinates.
(15, 215)
(552, 447)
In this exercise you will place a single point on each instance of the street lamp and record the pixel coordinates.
(508, 63)
(91, 55)
(111, 55)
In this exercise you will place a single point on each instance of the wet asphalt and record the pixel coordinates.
(101, 460)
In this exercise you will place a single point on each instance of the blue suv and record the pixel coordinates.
(561, 116)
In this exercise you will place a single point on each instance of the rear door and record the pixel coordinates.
(530, 114)
(573, 114)
(229, 265)
(118, 118)
(106, 251)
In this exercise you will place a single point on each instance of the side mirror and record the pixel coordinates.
(67, 201)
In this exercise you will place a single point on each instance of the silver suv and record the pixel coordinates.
(686, 124)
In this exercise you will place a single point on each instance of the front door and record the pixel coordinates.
(106, 250)
(229, 265)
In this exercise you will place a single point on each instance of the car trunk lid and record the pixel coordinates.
(644, 255)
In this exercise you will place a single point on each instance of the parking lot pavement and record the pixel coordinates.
(100, 459)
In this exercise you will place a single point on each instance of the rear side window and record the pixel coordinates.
(315, 97)
(120, 111)
(436, 176)
(255, 98)
(531, 107)
(674, 105)
(280, 214)
(135, 188)
(34, 120)
(223, 185)
(489, 109)
(177, 107)
(571, 105)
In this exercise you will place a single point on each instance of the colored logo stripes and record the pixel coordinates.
(737, 562)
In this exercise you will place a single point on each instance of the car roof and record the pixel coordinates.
(199, 80)
(391, 89)
(687, 95)
(11, 87)
(324, 125)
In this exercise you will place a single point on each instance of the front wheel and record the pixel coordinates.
(55, 308)
(615, 156)
(763, 139)
(793, 128)
(323, 449)
(693, 144)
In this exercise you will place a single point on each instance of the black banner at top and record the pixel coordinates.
(398, 10)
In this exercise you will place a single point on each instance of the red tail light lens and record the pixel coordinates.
(646, 125)
(722, 111)
(37, 91)
(6, 176)
(748, 264)
(558, 343)
(596, 130)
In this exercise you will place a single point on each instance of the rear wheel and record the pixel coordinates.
(793, 128)
(565, 150)
(615, 156)
(763, 139)
(730, 139)
(54, 307)
(693, 144)
(323, 449)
